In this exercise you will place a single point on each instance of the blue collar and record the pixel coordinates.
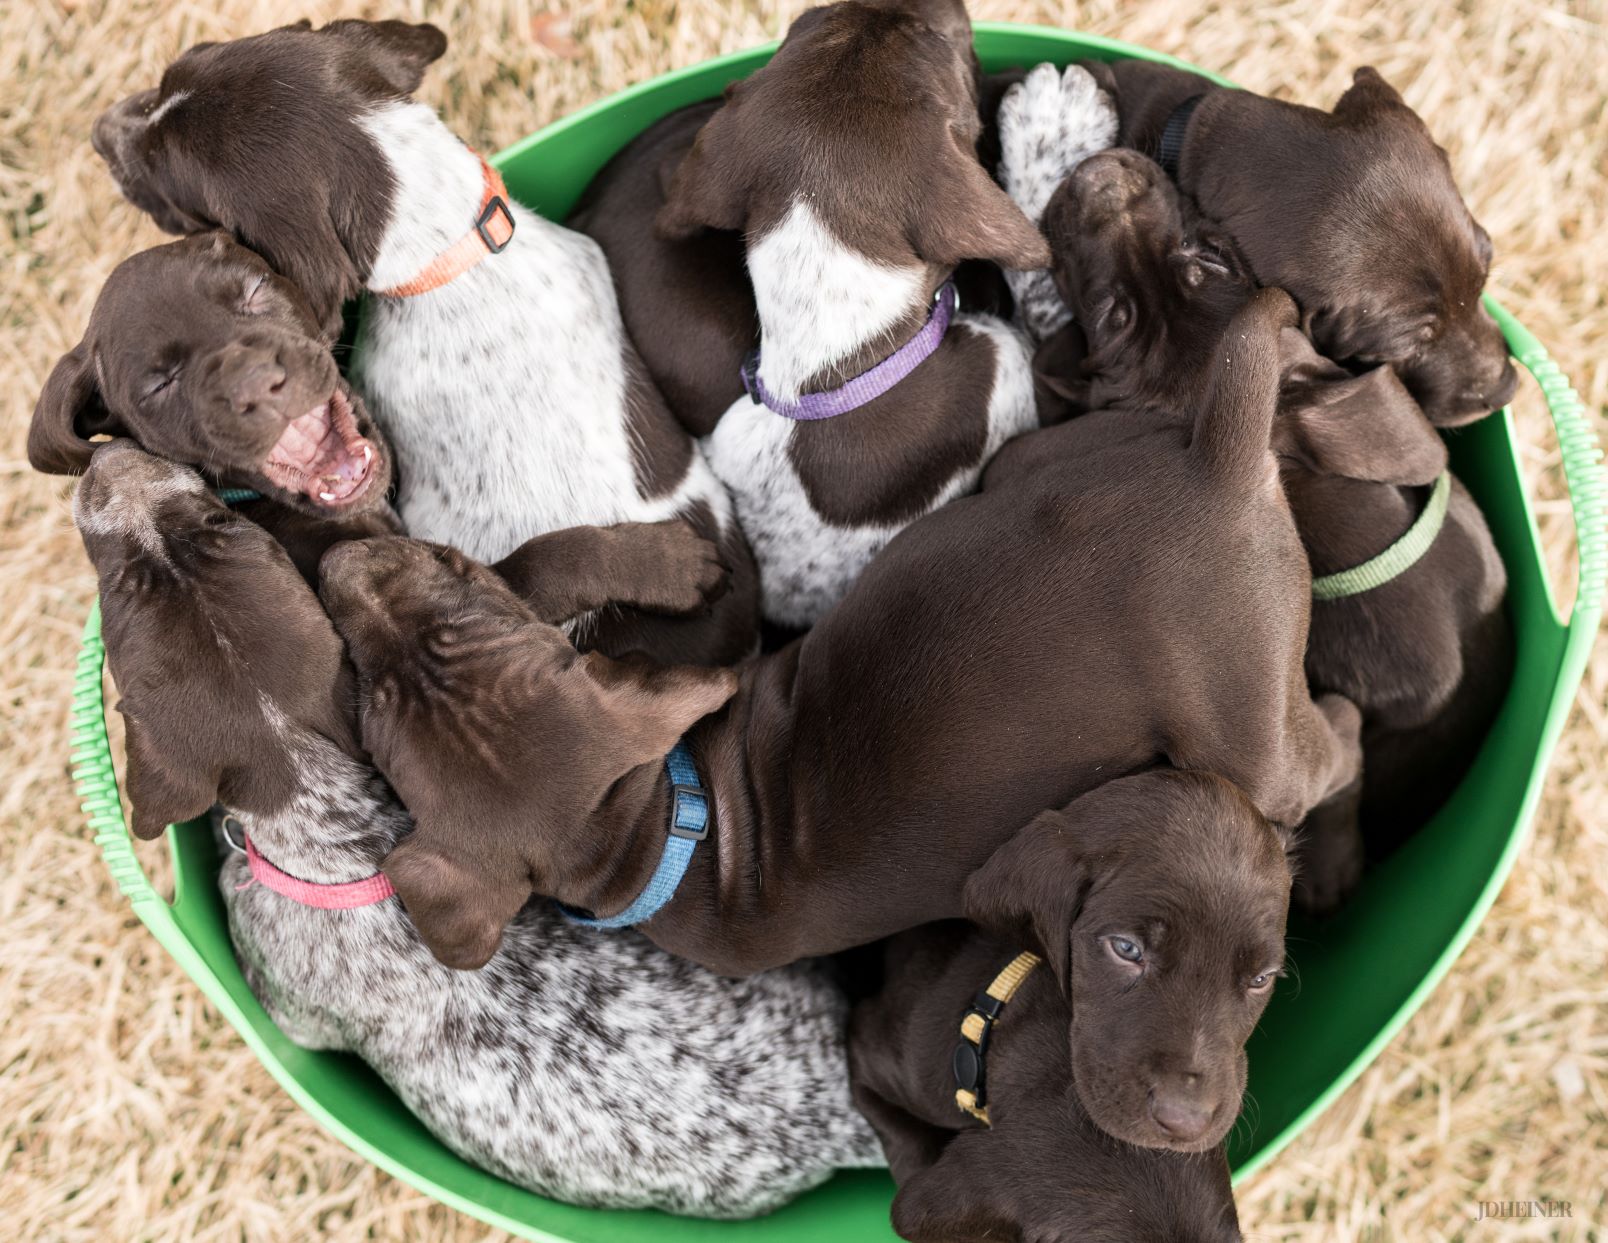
(691, 812)
(237, 496)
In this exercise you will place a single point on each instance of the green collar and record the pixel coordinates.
(1395, 560)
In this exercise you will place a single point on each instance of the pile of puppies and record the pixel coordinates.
(1082, 421)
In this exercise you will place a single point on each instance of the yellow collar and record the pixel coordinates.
(976, 1028)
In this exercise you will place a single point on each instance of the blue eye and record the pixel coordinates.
(1125, 949)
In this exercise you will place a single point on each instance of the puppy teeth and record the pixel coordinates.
(326, 496)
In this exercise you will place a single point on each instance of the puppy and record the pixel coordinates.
(491, 348)
(1158, 601)
(1038, 1168)
(592, 1068)
(1426, 656)
(848, 165)
(1353, 211)
(201, 354)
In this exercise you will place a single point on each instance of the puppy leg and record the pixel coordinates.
(664, 567)
(1328, 853)
(1049, 123)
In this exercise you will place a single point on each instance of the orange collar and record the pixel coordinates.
(494, 229)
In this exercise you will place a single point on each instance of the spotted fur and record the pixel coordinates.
(504, 392)
(588, 1066)
(1049, 123)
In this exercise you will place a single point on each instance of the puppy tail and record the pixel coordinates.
(1234, 430)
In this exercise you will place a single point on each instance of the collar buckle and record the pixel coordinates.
(493, 208)
(689, 812)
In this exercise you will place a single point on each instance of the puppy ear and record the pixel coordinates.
(459, 906)
(1059, 387)
(161, 792)
(67, 414)
(1234, 428)
(299, 240)
(399, 52)
(652, 706)
(1033, 887)
(973, 218)
(710, 187)
(1358, 427)
(1368, 93)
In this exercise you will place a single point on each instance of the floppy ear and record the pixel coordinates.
(652, 706)
(1031, 889)
(162, 793)
(399, 52)
(312, 256)
(459, 905)
(710, 187)
(973, 218)
(1367, 93)
(1358, 427)
(67, 414)
(1059, 387)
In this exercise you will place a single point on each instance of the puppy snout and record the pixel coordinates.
(251, 380)
(1112, 181)
(1500, 391)
(114, 126)
(1180, 1112)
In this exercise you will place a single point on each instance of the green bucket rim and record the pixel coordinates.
(95, 778)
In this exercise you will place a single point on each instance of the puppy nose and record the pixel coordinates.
(1501, 392)
(251, 380)
(1182, 1120)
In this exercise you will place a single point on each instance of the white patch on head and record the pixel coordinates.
(165, 107)
(820, 301)
(807, 564)
(1049, 123)
(129, 507)
(504, 392)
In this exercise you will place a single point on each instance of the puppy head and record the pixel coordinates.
(260, 136)
(501, 738)
(867, 114)
(200, 353)
(1151, 286)
(220, 651)
(1333, 423)
(1356, 213)
(1159, 900)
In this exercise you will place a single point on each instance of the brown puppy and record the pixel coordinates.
(201, 354)
(1354, 211)
(1040, 1169)
(1102, 612)
(1426, 656)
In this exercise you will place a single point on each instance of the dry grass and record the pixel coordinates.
(129, 1110)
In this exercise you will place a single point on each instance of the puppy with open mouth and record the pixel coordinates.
(198, 351)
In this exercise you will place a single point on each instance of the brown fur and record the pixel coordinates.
(1426, 657)
(1042, 1171)
(1354, 211)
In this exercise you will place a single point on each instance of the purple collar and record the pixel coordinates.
(868, 385)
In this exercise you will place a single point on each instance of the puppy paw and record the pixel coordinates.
(1329, 871)
(688, 574)
(1049, 123)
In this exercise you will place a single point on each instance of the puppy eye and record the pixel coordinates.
(159, 383)
(1261, 983)
(256, 299)
(1126, 950)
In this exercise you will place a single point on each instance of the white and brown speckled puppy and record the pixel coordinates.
(514, 399)
(587, 1066)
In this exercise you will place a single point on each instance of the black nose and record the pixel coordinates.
(250, 379)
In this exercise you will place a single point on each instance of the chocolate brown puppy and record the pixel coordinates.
(199, 352)
(1354, 211)
(1097, 613)
(1038, 1168)
(1427, 655)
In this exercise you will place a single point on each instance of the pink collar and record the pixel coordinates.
(343, 897)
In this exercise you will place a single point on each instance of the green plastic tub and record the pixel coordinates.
(1362, 975)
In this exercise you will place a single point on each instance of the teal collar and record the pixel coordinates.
(1395, 560)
